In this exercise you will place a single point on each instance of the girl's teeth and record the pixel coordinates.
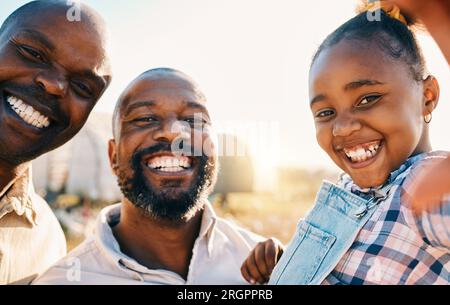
(361, 154)
(27, 113)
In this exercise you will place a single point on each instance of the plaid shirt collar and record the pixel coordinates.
(17, 197)
(381, 191)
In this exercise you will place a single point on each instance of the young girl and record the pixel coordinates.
(372, 102)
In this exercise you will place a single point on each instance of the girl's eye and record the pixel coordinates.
(33, 53)
(369, 100)
(324, 113)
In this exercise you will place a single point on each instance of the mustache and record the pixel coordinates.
(159, 148)
(38, 95)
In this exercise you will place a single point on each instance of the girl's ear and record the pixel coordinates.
(431, 94)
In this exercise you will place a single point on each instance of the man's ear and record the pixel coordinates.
(112, 153)
(431, 92)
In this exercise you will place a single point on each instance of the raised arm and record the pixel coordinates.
(435, 14)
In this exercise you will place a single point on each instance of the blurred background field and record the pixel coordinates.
(276, 213)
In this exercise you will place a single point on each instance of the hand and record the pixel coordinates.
(258, 266)
(435, 14)
(418, 7)
(429, 186)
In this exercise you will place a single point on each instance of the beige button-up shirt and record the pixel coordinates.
(218, 253)
(31, 239)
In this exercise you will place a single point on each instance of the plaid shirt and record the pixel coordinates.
(395, 246)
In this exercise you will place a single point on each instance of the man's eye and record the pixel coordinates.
(196, 121)
(369, 100)
(82, 89)
(324, 113)
(33, 53)
(146, 120)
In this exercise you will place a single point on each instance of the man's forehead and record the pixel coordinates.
(52, 17)
(82, 46)
(179, 87)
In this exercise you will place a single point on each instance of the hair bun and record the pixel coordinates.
(391, 9)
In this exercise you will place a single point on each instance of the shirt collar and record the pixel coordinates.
(108, 244)
(209, 220)
(380, 191)
(17, 197)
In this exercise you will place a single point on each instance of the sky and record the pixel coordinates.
(250, 57)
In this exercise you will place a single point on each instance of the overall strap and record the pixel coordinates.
(325, 235)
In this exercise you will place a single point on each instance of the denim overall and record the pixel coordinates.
(325, 235)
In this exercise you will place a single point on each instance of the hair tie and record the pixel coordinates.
(390, 9)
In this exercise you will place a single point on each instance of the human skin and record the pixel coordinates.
(375, 98)
(434, 181)
(435, 14)
(150, 110)
(60, 68)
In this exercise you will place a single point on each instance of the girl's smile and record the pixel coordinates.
(368, 110)
(361, 155)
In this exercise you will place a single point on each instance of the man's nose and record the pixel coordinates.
(171, 130)
(345, 125)
(53, 82)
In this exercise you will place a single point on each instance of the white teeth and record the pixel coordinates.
(360, 153)
(169, 163)
(27, 113)
(35, 115)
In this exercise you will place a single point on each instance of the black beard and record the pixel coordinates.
(167, 204)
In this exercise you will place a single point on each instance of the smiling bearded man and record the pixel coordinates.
(52, 73)
(164, 231)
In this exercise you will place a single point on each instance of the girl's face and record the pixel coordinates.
(368, 110)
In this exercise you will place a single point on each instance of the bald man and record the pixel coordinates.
(52, 73)
(164, 231)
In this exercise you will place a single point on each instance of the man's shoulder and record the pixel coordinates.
(81, 259)
(231, 228)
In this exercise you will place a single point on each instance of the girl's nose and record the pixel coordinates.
(345, 125)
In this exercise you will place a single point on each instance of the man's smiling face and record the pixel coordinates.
(52, 73)
(156, 111)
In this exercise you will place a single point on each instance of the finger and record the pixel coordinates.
(245, 273)
(261, 263)
(271, 255)
(253, 268)
(280, 252)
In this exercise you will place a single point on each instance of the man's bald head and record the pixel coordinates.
(40, 9)
(154, 75)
